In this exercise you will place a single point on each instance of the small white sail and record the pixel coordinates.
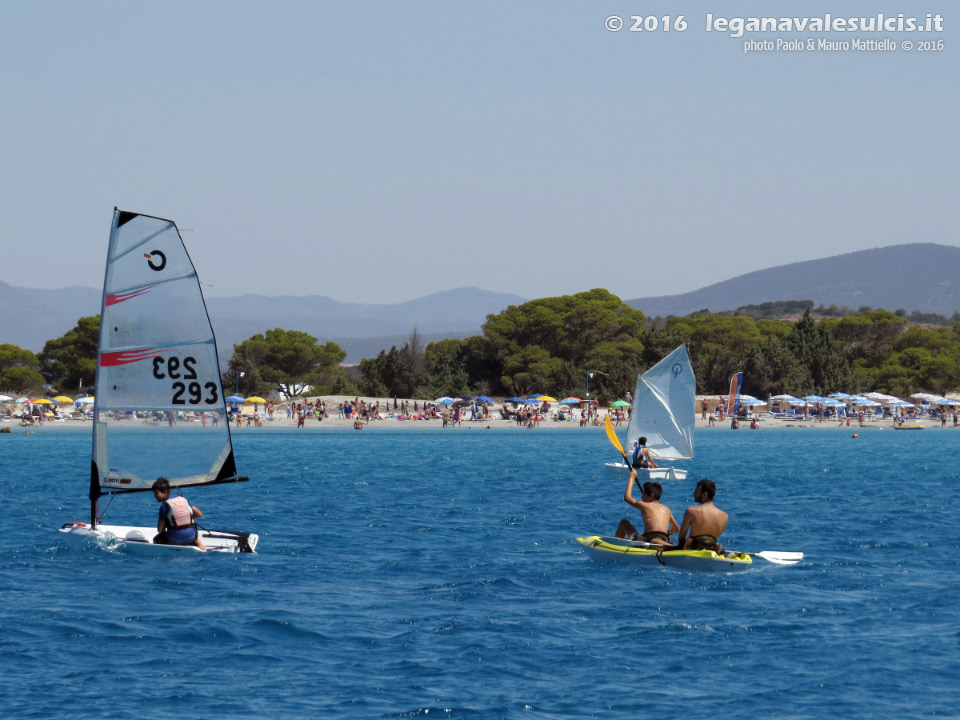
(664, 408)
(158, 407)
(157, 367)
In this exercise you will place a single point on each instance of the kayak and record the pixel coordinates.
(618, 549)
(140, 539)
(643, 553)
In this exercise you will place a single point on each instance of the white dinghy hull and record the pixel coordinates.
(619, 471)
(140, 539)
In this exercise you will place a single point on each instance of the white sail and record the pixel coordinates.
(158, 373)
(664, 408)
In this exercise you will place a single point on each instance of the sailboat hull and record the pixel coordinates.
(140, 539)
(622, 472)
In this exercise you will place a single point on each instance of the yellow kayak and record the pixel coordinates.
(617, 549)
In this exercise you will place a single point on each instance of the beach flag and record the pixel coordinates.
(733, 402)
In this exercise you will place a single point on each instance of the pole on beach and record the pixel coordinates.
(590, 375)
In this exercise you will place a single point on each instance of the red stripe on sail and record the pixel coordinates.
(125, 357)
(123, 297)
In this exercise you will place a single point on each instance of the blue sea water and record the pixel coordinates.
(436, 574)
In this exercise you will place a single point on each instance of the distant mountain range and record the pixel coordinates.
(921, 276)
(918, 276)
(29, 317)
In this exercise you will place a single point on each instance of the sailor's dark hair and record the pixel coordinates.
(708, 487)
(642, 441)
(653, 488)
(161, 485)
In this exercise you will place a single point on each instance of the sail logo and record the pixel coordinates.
(125, 357)
(123, 297)
(162, 260)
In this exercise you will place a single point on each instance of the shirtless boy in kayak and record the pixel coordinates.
(705, 522)
(658, 521)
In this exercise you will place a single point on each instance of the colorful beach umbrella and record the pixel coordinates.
(43, 401)
(5, 398)
(571, 401)
(546, 398)
(620, 403)
(256, 399)
(63, 399)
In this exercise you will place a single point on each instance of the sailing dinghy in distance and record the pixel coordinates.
(663, 411)
(158, 407)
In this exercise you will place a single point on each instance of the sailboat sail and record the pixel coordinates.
(157, 368)
(663, 408)
(733, 400)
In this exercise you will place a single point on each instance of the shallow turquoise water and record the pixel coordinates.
(408, 574)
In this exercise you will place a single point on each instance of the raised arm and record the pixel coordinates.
(628, 493)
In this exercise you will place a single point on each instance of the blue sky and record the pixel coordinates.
(382, 151)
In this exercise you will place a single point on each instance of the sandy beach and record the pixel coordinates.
(332, 422)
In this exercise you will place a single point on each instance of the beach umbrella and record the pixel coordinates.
(255, 399)
(546, 398)
(514, 400)
(5, 398)
(484, 398)
(620, 403)
(63, 399)
(234, 399)
(571, 401)
(534, 395)
(43, 401)
(84, 401)
(21, 401)
(445, 400)
(531, 401)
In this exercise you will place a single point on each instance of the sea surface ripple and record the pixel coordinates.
(436, 574)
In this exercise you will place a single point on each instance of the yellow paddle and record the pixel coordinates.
(612, 434)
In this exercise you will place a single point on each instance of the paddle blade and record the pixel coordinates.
(612, 434)
(781, 558)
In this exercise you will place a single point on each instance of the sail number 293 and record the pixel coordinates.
(182, 371)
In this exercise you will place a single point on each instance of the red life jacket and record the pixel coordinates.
(179, 513)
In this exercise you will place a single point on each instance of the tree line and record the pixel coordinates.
(550, 345)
